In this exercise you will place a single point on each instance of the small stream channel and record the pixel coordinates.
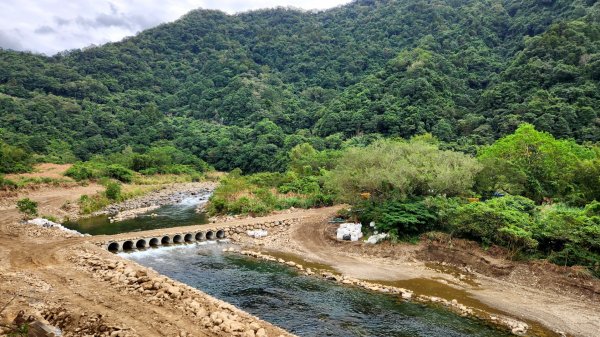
(179, 214)
(303, 305)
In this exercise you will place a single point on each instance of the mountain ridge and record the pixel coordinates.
(233, 88)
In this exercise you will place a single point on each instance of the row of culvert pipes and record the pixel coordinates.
(142, 243)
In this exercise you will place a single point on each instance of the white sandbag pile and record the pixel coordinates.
(349, 231)
(49, 224)
(377, 237)
(257, 233)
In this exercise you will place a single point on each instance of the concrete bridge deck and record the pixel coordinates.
(195, 233)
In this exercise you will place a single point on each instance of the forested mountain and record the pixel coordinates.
(242, 90)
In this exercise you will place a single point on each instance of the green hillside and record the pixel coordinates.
(242, 90)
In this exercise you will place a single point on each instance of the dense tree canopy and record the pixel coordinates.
(242, 90)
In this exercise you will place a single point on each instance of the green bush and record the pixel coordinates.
(28, 207)
(503, 221)
(570, 236)
(113, 191)
(120, 173)
(400, 218)
(79, 171)
(14, 159)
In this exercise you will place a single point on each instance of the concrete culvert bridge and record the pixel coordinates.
(140, 244)
(199, 236)
(210, 235)
(188, 237)
(113, 246)
(154, 242)
(165, 240)
(220, 234)
(128, 245)
(177, 239)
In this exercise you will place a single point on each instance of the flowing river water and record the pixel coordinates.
(303, 305)
(180, 214)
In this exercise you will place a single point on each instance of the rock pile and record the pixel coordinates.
(45, 223)
(516, 327)
(237, 233)
(82, 324)
(257, 233)
(210, 313)
(132, 213)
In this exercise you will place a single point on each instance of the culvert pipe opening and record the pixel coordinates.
(165, 240)
(177, 239)
(140, 244)
(128, 245)
(188, 237)
(154, 242)
(210, 235)
(220, 234)
(113, 246)
(199, 236)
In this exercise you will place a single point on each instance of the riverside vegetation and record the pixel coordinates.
(403, 109)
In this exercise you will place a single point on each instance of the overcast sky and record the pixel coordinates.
(50, 26)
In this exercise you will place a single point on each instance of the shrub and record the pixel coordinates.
(79, 172)
(401, 218)
(113, 191)
(14, 159)
(120, 173)
(503, 221)
(28, 207)
(570, 236)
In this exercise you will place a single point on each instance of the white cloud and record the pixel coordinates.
(51, 26)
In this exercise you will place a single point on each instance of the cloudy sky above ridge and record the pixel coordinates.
(51, 26)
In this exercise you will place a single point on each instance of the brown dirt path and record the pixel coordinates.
(314, 241)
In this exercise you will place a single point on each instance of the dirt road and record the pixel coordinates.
(521, 292)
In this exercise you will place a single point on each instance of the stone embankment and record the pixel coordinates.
(72, 324)
(130, 279)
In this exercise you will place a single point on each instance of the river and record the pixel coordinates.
(304, 305)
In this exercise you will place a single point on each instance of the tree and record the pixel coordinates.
(390, 168)
(531, 163)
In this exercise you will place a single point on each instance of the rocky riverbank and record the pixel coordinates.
(167, 195)
(129, 279)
